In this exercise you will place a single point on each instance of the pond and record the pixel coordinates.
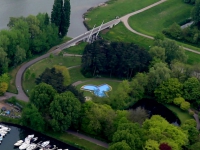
(20, 133)
(155, 108)
(100, 91)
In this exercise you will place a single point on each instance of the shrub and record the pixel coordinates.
(178, 100)
(185, 105)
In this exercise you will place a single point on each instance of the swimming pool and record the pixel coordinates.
(100, 91)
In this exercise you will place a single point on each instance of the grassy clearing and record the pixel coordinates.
(113, 83)
(121, 34)
(37, 68)
(76, 75)
(154, 20)
(192, 58)
(182, 115)
(78, 49)
(114, 8)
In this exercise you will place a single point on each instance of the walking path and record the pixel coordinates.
(125, 18)
(87, 138)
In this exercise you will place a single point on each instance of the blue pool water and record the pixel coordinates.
(99, 91)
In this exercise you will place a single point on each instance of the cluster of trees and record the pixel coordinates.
(188, 34)
(58, 77)
(50, 110)
(117, 59)
(27, 36)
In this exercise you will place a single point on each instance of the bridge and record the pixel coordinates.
(85, 36)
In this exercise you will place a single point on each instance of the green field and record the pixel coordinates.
(76, 75)
(40, 66)
(113, 83)
(114, 8)
(121, 34)
(154, 20)
(78, 49)
(182, 115)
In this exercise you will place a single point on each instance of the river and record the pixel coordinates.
(19, 133)
(16, 8)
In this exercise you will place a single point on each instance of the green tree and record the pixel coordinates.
(64, 71)
(178, 100)
(5, 78)
(41, 96)
(168, 90)
(185, 105)
(65, 111)
(172, 51)
(195, 13)
(3, 87)
(120, 146)
(195, 146)
(3, 61)
(191, 89)
(32, 118)
(20, 55)
(158, 129)
(151, 145)
(157, 74)
(158, 53)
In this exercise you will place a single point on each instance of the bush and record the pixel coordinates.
(179, 100)
(185, 105)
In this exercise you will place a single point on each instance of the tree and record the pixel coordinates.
(158, 129)
(168, 90)
(157, 74)
(20, 55)
(60, 16)
(151, 145)
(138, 115)
(3, 61)
(3, 87)
(32, 118)
(195, 13)
(131, 133)
(119, 146)
(65, 111)
(41, 96)
(185, 105)
(64, 71)
(178, 100)
(158, 53)
(172, 51)
(195, 146)
(191, 89)
(5, 78)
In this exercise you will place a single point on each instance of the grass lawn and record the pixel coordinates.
(192, 58)
(114, 8)
(40, 66)
(78, 49)
(76, 75)
(113, 83)
(154, 20)
(182, 115)
(73, 140)
(121, 34)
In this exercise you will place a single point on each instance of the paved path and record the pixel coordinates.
(196, 117)
(125, 18)
(92, 140)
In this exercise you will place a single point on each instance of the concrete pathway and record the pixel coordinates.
(196, 117)
(125, 18)
(87, 138)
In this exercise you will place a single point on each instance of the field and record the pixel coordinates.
(37, 68)
(154, 20)
(114, 8)
(78, 49)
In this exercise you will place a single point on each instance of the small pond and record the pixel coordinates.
(155, 108)
(20, 133)
(100, 91)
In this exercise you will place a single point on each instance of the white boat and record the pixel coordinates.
(34, 139)
(18, 143)
(44, 144)
(1, 138)
(3, 133)
(5, 128)
(31, 146)
(24, 146)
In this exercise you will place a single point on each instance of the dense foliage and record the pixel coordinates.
(26, 37)
(117, 59)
